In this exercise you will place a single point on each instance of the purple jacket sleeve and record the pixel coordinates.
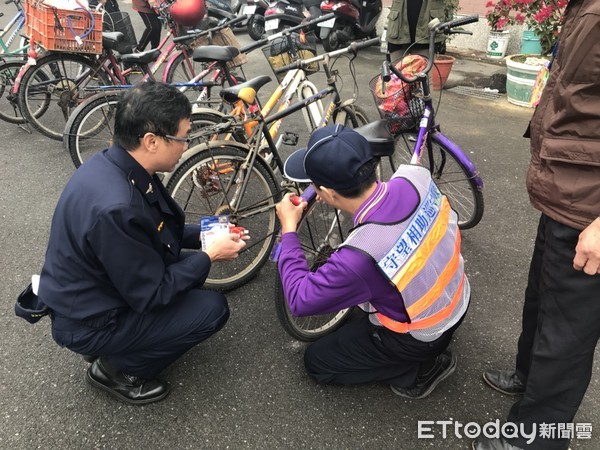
(336, 285)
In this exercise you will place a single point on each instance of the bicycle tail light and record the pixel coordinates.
(327, 6)
(188, 12)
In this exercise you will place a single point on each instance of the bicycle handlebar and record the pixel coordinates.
(436, 28)
(250, 47)
(197, 34)
(354, 47)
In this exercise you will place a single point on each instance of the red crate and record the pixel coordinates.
(49, 27)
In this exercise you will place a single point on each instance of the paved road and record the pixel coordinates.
(246, 388)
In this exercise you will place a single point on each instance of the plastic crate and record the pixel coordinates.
(279, 53)
(400, 103)
(56, 29)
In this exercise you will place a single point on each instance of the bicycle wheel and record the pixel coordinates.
(9, 108)
(356, 116)
(66, 76)
(90, 127)
(449, 174)
(210, 183)
(183, 70)
(321, 230)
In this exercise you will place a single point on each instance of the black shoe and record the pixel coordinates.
(89, 358)
(505, 381)
(484, 443)
(127, 388)
(443, 366)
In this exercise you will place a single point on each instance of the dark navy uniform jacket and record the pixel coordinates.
(115, 242)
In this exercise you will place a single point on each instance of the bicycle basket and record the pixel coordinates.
(121, 22)
(399, 104)
(279, 53)
(224, 37)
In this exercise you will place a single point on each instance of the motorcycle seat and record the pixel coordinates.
(209, 53)
(245, 91)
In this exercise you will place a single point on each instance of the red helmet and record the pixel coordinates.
(188, 12)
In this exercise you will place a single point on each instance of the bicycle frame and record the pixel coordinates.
(18, 21)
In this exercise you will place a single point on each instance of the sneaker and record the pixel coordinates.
(443, 366)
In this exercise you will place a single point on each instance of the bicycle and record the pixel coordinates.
(452, 170)
(320, 239)
(89, 128)
(11, 62)
(234, 179)
(59, 81)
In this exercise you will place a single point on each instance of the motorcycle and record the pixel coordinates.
(354, 19)
(218, 10)
(255, 10)
(283, 14)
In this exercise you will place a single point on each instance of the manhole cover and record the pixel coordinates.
(475, 92)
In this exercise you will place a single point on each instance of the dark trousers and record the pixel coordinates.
(151, 33)
(360, 352)
(561, 326)
(145, 344)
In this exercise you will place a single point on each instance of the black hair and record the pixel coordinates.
(366, 170)
(150, 107)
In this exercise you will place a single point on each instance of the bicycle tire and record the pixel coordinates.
(90, 127)
(180, 72)
(204, 186)
(318, 243)
(451, 177)
(9, 108)
(356, 116)
(65, 93)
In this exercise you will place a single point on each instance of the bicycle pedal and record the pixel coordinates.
(289, 138)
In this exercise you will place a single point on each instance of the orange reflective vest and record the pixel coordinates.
(421, 257)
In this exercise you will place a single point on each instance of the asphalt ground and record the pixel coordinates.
(246, 386)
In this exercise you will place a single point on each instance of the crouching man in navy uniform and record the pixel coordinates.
(401, 264)
(118, 285)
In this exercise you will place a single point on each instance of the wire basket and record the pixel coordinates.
(121, 22)
(63, 30)
(400, 104)
(280, 52)
(224, 37)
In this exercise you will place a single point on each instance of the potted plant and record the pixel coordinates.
(543, 19)
(442, 62)
(499, 17)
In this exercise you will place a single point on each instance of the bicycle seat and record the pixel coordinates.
(141, 58)
(379, 136)
(112, 39)
(245, 91)
(209, 53)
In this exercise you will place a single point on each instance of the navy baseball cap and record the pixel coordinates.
(332, 158)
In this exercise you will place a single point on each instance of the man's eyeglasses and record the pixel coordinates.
(187, 140)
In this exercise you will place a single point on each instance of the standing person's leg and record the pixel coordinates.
(557, 358)
(151, 34)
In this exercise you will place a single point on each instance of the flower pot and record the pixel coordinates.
(530, 43)
(497, 44)
(441, 71)
(521, 71)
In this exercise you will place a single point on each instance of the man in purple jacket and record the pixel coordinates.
(401, 265)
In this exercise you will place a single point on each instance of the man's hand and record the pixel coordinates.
(587, 252)
(289, 214)
(226, 247)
